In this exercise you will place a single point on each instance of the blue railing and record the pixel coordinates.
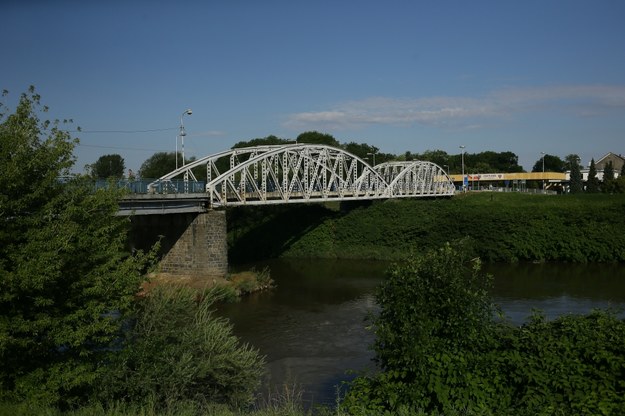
(140, 186)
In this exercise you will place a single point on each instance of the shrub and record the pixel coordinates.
(178, 350)
(440, 349)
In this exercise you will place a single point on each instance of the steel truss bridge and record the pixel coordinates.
(299, 173)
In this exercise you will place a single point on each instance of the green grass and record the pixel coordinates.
(506, 227)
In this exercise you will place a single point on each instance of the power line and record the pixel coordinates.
(122, 148)
(122, 131)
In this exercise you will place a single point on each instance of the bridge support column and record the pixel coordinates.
(202, 249)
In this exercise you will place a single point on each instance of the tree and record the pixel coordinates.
(440, 157)
(435, 319)
(66, 281)
(608, 178)
(159, 164)
(575, 178)
(571, 160)
(362, 150)
(592, 184)
(314, 137)
(108, 166)
(552, 164)
(262, 141)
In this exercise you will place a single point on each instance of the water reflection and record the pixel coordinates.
(312, 326)
(557, 289)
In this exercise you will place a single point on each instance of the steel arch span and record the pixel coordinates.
(298, 173)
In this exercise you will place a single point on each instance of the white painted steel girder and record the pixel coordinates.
(305, 172)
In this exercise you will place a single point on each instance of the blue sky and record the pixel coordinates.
(522, 76)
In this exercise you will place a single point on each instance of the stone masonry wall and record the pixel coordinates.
(202, 249)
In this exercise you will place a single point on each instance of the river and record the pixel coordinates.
(312, 325)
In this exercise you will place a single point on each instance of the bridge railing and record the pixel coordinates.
(142, 186)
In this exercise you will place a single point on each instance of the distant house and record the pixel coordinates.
(617, 162)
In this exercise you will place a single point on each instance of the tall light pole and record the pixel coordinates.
(182, 134)
(462, 149)
(543, 153)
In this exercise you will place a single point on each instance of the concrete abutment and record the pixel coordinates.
(192, 245)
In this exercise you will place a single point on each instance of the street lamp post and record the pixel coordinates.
(182, 134)
(543, 153)
(462, 148)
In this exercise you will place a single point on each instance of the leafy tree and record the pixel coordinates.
(483, 162)
(592, 183)
(159, 164)
(571, 160)
(506, 162)
(622, 171)
(65, 278)
(362, 150)
(608, 178)
(552, 164)
(439, 157)
(263, 141)
(108, 166)
(435, 305)
(314, 137)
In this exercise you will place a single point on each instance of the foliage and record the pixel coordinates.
(432, 333)
(314, 137)
(269, 140)
(436, 358)
(108, 166)
(65, 277)
(592, 183)
(608, 185)
(552, 163)
(159, 164)
(177, 350)
(619, 185)
(363, 151)
(571, 160)
(576, 178)
(483, 162)
(505, 227)
(286, 406)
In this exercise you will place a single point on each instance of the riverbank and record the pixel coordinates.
(503, 227)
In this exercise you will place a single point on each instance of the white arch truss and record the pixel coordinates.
(302, 173)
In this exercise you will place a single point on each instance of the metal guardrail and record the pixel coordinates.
(140, 186)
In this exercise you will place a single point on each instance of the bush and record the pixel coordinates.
(440, 349)
(178, 350)
(507, 227)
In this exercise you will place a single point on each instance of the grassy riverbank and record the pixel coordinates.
(506, 227)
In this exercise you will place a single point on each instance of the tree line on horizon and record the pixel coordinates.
(161, 163)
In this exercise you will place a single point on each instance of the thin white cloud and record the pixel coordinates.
(465, 112)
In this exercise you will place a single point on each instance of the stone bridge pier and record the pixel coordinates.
(192, 244)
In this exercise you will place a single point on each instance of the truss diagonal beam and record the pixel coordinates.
(304, 173)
